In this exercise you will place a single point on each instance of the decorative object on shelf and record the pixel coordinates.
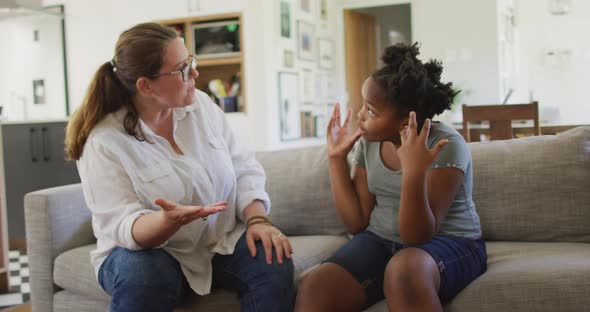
(285, 19)
(229, 104)
(288, 59)
(217, 38)
(326, 53)
(305, 41)
(39, 91)
(289, 106)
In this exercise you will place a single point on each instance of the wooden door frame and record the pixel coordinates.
(350, 5)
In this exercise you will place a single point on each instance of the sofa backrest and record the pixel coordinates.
(534, 188)
(529, 189)
(298, 183)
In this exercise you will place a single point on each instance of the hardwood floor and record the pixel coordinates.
(21, 308)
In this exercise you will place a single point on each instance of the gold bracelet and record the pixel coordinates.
(265, 218)
(250, 224)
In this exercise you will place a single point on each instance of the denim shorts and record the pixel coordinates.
(459, 260)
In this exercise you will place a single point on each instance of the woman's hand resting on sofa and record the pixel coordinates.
(340, 139)
(270, 237)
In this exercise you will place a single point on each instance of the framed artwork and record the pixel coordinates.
(288, 59)
(306, 6)
(323, 10)
(289, 116)
(318, 87)
(326, 53)
(285, 19)
(305, 40)
(307, 86)
(331, 87)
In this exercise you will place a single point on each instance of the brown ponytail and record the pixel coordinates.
(139, 53)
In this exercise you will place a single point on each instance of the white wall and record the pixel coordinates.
(559, 81)
(463, 34)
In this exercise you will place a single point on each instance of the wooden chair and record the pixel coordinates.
(500, 118)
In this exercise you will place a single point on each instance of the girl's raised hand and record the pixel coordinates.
(413, 153)
(340, 139)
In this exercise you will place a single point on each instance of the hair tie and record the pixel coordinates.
(112, 62)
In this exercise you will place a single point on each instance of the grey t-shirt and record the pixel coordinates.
(461, 220)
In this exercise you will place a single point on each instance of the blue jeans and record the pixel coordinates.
(151, 279)
(460, 261)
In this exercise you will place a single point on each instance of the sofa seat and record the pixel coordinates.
(527, 276)
(523, 276)
(74, 273)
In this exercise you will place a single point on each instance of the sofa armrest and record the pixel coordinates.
(56, 219)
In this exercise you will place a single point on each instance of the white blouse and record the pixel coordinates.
(122, 176)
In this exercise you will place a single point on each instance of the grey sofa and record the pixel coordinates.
(532, 194)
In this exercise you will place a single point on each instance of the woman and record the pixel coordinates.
(177, 205)
(417, 236)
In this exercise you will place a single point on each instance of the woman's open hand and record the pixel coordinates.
(181, 215)
(340, 140)
(270, 237)
(413, 153)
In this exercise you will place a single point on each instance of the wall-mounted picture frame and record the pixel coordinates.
(289, 115)
(305, 41)
(330, 87)
(323, 10)
(307, 86)
(288, 59)
(326, 53)
(306, 6)
(285, 19)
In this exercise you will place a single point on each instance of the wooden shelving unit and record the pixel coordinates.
(210, 68)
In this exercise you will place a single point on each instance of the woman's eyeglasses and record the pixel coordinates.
(185, 70)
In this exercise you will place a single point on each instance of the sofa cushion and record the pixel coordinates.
(522, 277)
(73, 272)
(535, 188)
(530, 277)
(298, 183)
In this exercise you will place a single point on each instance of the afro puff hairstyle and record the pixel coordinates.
(411, 85)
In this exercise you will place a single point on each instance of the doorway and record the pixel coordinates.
(367, 32)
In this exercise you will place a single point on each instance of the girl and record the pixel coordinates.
(417, 236)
